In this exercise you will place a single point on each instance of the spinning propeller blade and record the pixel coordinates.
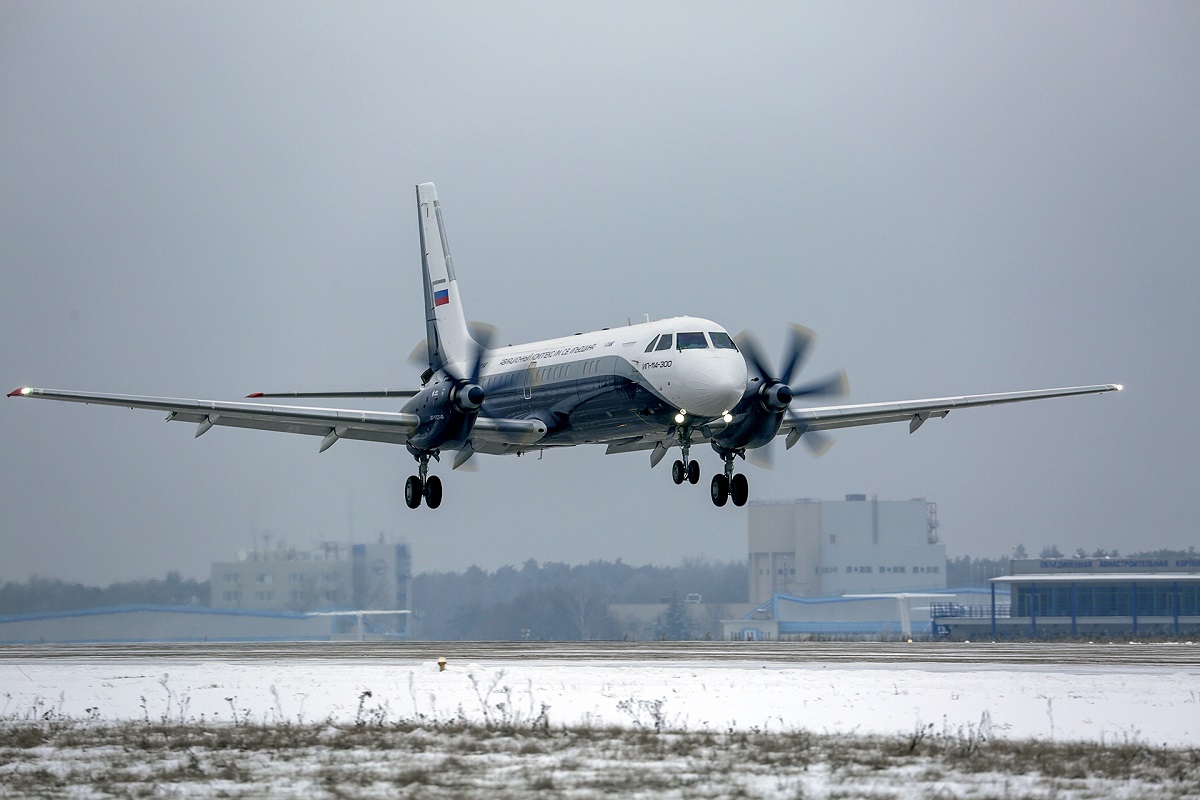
(776, 391)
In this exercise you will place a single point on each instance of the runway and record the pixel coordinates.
(894, 654)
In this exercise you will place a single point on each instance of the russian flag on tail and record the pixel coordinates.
(441, 297)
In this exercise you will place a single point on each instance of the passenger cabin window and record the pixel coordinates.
(721, 340)
(692, 341)
(664, 343)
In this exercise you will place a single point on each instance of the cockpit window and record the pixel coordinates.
(664, 343)
(650, 346)
(692, 341)
(721, 340)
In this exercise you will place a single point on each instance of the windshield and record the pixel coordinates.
(721, 340)
(691, 341)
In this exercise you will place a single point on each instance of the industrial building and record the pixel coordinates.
(853, 567)
(1057, 597)
(374, 576)
(814, 548)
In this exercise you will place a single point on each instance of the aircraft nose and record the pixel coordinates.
(717, 384)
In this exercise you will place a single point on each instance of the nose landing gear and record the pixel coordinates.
(689, 473)
(685, 468)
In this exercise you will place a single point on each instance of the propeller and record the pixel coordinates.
(776, 391)
(467, 395)
(817, 442)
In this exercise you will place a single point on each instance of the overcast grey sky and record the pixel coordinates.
(205, 199)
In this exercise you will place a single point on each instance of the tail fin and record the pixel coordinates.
(447, 339)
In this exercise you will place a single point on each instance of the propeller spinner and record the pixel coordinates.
(467, 395)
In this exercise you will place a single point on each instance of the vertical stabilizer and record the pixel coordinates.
(446, 334)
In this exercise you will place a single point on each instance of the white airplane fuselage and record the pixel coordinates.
(610, 385)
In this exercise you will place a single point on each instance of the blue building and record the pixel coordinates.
(1057, 597)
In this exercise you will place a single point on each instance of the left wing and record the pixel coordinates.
(796, 423)
(914, 412)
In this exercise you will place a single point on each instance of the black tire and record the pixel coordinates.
(412, 491)
(719, 490)
(433, 491)
(739, 489)
(678, 472)
(693, 472)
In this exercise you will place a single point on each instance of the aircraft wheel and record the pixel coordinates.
(739, 489)
(433, 491)
(678, 472)
(412, 491)
(719, 490)
(693, 472)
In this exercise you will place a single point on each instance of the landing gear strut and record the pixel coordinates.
(423, 485)
(728, 485)
(685, 468)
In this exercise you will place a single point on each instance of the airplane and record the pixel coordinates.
(651, 386)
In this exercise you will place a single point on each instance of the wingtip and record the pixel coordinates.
(19, 392)
(254, 395)
(1120, 387)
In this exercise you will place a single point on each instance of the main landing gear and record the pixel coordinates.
(423, 485)
(727, 487)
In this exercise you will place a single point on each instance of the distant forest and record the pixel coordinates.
(40, 594)
(551, 600)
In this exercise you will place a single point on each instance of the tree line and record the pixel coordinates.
(42, 594)
(552, 600)
(561, 601)
(544, 601)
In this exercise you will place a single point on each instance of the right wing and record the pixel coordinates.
(392, 427)
(332, 423)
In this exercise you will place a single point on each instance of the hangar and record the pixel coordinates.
(1059, 597)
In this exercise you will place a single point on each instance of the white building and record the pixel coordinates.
(374, 576)
(814, 548)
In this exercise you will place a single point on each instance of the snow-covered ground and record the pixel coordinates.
(333, 722)
(1151, 705)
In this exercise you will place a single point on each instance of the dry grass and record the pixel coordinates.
(52, 758)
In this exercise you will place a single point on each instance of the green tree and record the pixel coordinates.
(675, 624)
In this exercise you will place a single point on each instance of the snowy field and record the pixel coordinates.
(540, 723)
